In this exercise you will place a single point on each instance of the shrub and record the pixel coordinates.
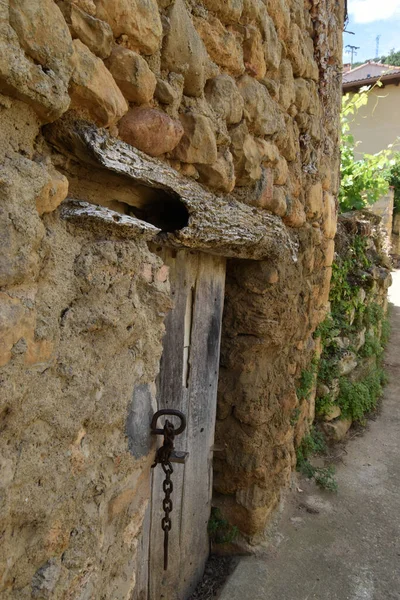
(365, 180)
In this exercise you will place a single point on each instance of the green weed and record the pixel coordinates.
(325, 478)
(314, 443)
(358, 398)
(294, 417)
(323, 405)
(373, 314)
(219, 529)
(307, 379)
(371, 347)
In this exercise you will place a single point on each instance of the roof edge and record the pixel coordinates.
(358, 83)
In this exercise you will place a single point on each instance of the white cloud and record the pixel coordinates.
(367, 11)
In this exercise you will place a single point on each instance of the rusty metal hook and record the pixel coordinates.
(171, 412)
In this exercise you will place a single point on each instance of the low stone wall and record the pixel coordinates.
(349, 373)
(395, 250)
(384, 208)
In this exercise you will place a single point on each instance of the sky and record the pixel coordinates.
(368, 19)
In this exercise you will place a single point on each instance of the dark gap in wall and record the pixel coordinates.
(163, 208)
(165, 211)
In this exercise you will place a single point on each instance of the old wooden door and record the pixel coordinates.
(188, 382)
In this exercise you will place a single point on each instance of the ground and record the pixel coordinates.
(343, 546)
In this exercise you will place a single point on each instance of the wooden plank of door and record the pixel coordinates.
(188, 381)
(202, 389)
(172, 393)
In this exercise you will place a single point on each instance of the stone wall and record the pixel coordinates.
(272, 307)
(384, 208)
(242, 96)
(349, 375)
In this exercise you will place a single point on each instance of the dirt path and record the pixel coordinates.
(344, 546)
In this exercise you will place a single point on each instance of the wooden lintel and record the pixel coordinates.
(217, 224)
(107, 219)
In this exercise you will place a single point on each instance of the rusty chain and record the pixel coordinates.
(163, 457)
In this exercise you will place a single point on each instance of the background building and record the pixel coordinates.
(377, 124)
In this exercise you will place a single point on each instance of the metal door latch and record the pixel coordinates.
(165, 456)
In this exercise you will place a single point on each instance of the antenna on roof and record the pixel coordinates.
(377, 46)
(353, 51)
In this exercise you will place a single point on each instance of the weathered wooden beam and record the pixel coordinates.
(106, 219)
(217, 224)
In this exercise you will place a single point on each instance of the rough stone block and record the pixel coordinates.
(288, 141)
(329, 216)
(314, 202)
(53, 193)
(260, 111)
(278, 205)
(281, 171)
(324, 288)
(220, 176)
(333, 413)
(150, 130)
(87, 5)
(302, 94)
(347, 363)
(120, 503)
(93, 89)
(269, 152)
(198, 144)
(36, 64)
(224, 97)
(280, 13)
(165, 92)
(43, 34)
(132, 75)
(262, 195)
(162, 274)
(295, 49)
(223, 46)
(253, 53)
(287, 88)
(336, 430)
(252, 11)
(295, 215)
(97, 35)
(272, 46)
(364, 368)
(329, 252)
(138, 20)
(246, 155)
(39, 353)
(183, 50)
(228, 11)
